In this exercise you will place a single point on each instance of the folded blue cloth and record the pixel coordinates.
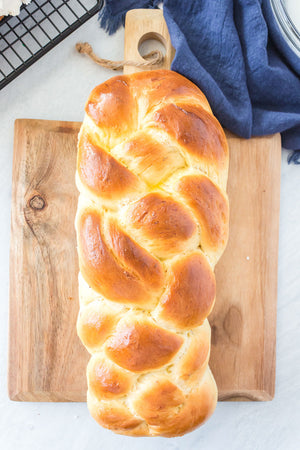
(234, 51)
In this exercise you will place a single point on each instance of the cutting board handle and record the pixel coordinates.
(141, 25)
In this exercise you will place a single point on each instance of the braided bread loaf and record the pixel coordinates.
(152, 222)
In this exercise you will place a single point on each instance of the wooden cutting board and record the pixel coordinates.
(46, 359)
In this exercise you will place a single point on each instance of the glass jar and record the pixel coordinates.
(287, 14)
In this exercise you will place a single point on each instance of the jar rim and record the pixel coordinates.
(287, 26)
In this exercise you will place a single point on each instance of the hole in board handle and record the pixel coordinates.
(150, 42)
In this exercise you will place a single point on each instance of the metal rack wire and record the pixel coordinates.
(37, 29)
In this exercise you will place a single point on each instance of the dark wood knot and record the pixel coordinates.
(37, 202)
(233, 325)
(214, 335)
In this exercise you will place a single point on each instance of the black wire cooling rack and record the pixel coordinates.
(37, 29)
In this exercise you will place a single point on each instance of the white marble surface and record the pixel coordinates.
(57, 87)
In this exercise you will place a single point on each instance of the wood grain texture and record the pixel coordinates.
(44, 347)
(244, 317)
(47, 362)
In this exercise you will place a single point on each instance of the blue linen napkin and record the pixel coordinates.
(234, 51)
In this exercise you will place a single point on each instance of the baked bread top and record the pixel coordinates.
(152, 222)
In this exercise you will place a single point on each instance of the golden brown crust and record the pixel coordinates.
(156, 87)
(101, 267)
(101, 173)
(113, 415)
(193, 363)
(167, 410)
(191, 292)
(142, 346)
(196, 131)
(130, 254)
(165, 224)
(152, 222)
(95, 323)
(150, 159)
(210, 206)
(112, 107)
(107, 380)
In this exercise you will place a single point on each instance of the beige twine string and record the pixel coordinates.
(154, 58)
